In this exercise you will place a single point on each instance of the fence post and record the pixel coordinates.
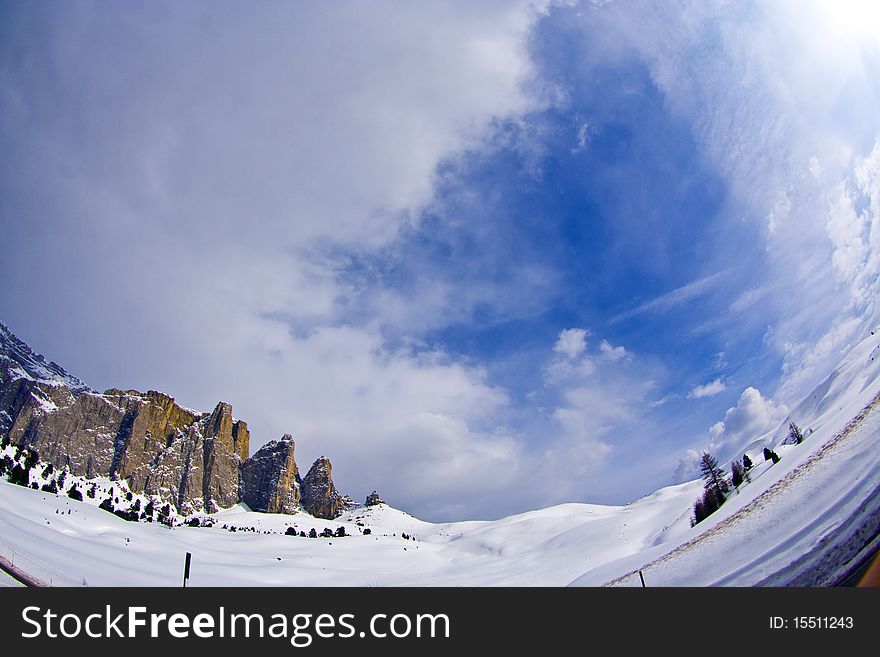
(186, 568)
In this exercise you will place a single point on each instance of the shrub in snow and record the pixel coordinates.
(290, 532)
(19, 475)
(74, 493)
(340, 532)
(50, 487)
(313, 533)
(770, 455)
(30, 458)
(107, 505)
(129, 515)
(327, 533)
(367, 531)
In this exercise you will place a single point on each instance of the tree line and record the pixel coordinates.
(717, 485)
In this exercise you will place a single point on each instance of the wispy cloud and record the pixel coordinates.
(676, 297)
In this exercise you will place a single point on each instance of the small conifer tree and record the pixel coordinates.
(736, 473)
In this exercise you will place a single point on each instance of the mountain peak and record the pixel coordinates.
(18, 360)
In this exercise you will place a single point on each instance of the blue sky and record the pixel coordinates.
(487, 258)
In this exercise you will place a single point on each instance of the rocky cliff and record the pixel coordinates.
(270, 480)
(319, 495)
(197, 461)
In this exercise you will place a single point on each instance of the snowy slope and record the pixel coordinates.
(66, 542)
(808, 507)
(801, 520)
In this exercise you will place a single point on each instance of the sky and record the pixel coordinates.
(487, 257)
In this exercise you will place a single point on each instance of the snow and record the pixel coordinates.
(22, 362)
(785, 526)
(46, 405)
(69, 543)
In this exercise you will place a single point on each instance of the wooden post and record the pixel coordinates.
(642, 577)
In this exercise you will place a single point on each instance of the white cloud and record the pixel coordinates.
(784, 109)
(753, 416)
(611, 352)
(707, 390)
(806, 360)
(209, 165)
(595, 399)
(571, 342)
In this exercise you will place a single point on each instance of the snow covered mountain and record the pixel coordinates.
(17, 358)
(809, 519)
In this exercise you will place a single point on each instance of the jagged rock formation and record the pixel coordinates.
(159, 447)
(319, 495)
(270, 480)
(17, 358)
(373, 499)
(197, 461)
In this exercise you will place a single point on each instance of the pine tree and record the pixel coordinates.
(713, 476)
(737, 472)
(768, 455)
(747, 462)
(794, 433)
(714, 487)
(706, 505)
